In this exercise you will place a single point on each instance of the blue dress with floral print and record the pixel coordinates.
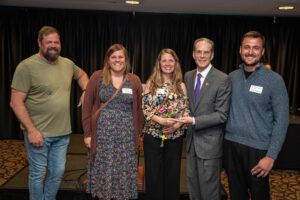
(113, 174)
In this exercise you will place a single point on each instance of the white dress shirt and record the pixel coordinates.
(203, 76)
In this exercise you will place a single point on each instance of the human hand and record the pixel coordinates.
(35, 138)
(186, 120)
(169, 130)
(87, 142)
(263, 168)
(167, 121)
(81, 100)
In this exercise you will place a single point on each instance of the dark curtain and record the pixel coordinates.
(86, 35)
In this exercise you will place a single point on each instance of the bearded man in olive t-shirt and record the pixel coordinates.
(40, 98)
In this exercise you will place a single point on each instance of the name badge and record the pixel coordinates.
(256, 89)
(160, 91)
(126, 90)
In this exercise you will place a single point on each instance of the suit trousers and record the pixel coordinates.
(203, 176)
(238, 161)
(162, 168)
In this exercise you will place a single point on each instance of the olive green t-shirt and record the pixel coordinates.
(48, 89)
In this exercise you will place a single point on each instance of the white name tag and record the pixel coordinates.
(126, 90)
(256, 89)
(160, 91)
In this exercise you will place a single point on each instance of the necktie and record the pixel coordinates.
(197, 89)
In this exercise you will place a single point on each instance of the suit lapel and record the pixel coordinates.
(205, 87)
(191, 87)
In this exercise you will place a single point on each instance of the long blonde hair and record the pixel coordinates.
(106, 67)
(156, 79)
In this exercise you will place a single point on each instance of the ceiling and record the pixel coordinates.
(214, 7)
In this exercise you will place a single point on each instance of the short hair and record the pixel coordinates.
(106, 68)
(46, 30)
(206, 40)
(254, 34)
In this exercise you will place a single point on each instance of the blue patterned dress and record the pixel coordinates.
(113, 174)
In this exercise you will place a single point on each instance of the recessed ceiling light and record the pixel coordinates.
(285, 7)
(133, 2)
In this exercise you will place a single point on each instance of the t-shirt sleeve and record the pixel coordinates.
(76, 71)
(21, 79)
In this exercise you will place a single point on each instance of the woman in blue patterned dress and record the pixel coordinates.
(112, 135)
(163, 133)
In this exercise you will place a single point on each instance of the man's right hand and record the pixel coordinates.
(35, 138)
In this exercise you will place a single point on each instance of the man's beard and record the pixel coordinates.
(253, 64)
(51, 56)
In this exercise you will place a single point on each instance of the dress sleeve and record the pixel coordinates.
(184, 108)
(139, 103)
(148, 107)
(87, 107)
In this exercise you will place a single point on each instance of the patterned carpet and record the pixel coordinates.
(13, 158)
(284, 184)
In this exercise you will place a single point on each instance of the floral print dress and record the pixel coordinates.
(113, 174)
(176, 106)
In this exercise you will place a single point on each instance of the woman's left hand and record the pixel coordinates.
(169, 130)
(186, 120)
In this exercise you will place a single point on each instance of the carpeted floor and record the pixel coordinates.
(13, 158)
(284, 184)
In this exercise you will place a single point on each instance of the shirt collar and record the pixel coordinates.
(205, 71)
(242, 67)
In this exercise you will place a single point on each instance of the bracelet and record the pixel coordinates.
(83, 90)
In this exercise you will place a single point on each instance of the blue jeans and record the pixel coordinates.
(52, 153)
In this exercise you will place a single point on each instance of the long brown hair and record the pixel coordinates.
(106, 67)
(156, 79)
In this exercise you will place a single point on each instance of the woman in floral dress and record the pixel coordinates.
(163, 132)
(112, 134)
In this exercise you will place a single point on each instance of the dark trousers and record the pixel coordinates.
(162, 168)
(238, 161)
